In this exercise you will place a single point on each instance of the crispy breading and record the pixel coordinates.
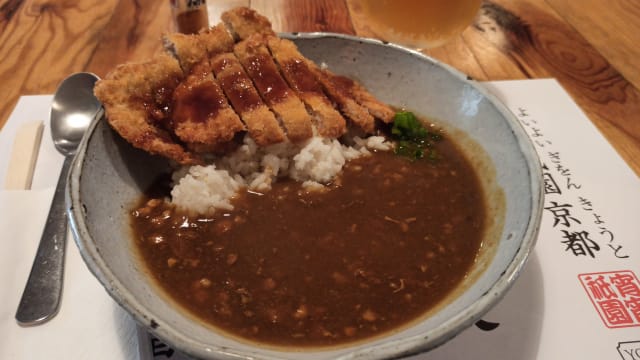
(202, 117)
(217, 39)
(256, 59)
(300, 76)
(188, 49)
(353, 89)
(133, 96)
(244, 22)
(261, 123)
(349, 107)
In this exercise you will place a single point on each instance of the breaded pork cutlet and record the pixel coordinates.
(256, 59)
(135, 97)
(205, 89)
(378, 109)
(188, 49)
(192, 48)
(357, 114)
(202, 117)
(300, 76)
(216, 40)
(236, 84)
(244, 22)
(354, 101)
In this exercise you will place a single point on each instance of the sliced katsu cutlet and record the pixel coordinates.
(301, 77)
(188, 49)
(243, 22)
(262, 125)
(352, 99)
(202, 117)
(357, 114)
(207, 88)
(351, 88)
(135, 98)
(256, 59)
(217, 39)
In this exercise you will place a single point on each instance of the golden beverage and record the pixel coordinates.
(416, 23)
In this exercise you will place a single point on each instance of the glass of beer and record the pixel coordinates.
(420, 24)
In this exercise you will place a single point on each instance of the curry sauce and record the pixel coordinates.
(387, 242)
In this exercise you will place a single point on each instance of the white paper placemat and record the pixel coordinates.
(578, 298)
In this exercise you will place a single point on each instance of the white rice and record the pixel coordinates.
(204, 189)
(314, 163)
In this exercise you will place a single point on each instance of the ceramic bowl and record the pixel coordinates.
(108, 177)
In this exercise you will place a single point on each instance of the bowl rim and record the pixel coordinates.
(400, 347)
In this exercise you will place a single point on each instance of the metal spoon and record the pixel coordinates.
(72, 110)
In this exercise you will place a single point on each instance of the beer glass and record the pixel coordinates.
(420, 24)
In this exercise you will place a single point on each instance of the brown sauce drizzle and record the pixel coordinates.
(343, 84)
(236, 85)
(301, 77)
(157, 104)
(267, 79)
(198, 103)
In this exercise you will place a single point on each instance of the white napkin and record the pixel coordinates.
(87, 314)
(90, 325)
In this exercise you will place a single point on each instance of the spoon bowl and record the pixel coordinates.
(73, 108)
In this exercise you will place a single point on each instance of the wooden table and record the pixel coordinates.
(590, 46)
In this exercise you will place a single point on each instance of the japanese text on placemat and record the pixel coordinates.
(580, 235)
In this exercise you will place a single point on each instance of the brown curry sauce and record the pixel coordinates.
(389, 241)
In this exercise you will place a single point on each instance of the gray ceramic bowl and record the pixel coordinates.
(108, 176)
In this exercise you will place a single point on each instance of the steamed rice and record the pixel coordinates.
(317, 161)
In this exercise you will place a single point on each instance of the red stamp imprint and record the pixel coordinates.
(615, 295)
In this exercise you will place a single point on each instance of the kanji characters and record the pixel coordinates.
(550, 186)
(625, 285)
(616, 296)
(633, 304)
(615, 312)
(579, 243)
(561, 214)
(600, 288)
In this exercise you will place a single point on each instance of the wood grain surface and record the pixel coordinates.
(589, 46)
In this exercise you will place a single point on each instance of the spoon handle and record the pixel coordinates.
(41, 297)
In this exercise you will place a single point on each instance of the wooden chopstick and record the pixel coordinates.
(24, 154)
